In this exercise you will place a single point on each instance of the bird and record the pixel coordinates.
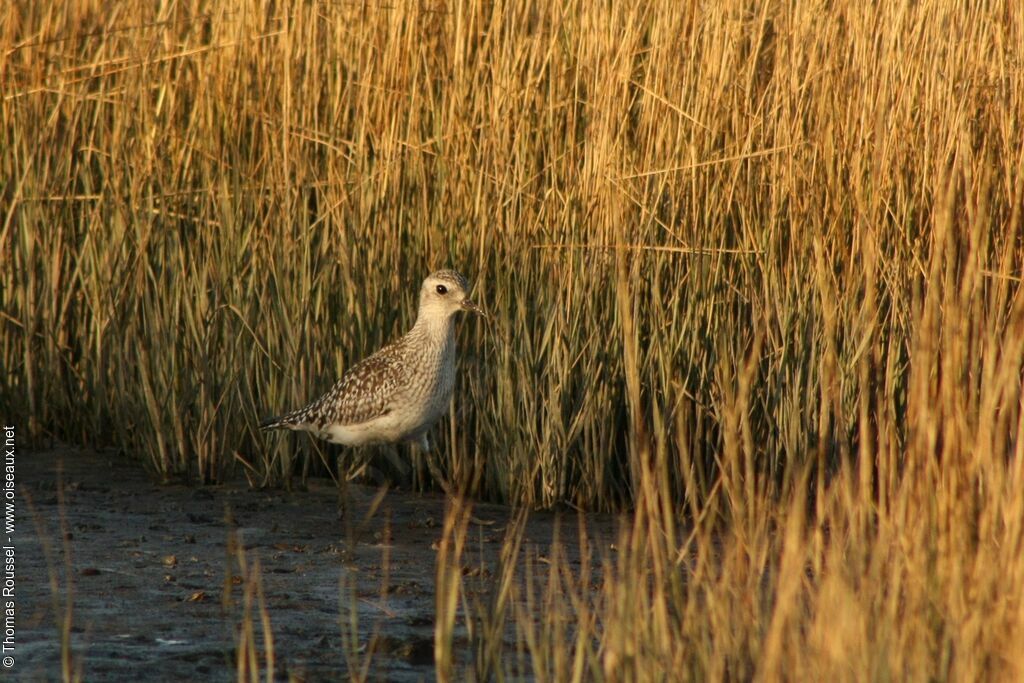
(396, 394)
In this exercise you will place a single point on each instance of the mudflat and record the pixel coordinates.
(119, 578)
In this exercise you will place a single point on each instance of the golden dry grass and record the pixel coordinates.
(753, 269)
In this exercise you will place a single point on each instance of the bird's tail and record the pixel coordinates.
(297, 419)
(279, 422)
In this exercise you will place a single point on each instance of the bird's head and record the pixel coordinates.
(445, 293)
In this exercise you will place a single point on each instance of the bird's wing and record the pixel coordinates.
(366, 391)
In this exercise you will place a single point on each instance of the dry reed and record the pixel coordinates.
(753, 269)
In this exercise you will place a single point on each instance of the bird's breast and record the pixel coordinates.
(430, 387)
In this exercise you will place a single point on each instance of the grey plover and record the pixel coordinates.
(396, 394)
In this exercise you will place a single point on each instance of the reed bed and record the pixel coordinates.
(753, 270)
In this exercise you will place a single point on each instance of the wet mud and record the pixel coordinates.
(123, 579)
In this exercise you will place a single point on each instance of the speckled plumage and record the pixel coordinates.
(397, 393)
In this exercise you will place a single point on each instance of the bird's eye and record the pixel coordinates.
(442, 290)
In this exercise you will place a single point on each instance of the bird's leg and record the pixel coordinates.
(435, 471)
(343, 499)
(425, 456)
(400, 464)
(417, 477)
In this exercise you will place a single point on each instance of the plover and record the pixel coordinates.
(396, 394)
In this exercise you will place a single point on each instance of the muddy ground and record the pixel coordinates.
(157, 592)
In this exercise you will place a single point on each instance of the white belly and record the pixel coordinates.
(391, 428)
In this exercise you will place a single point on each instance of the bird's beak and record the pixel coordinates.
(468, 305)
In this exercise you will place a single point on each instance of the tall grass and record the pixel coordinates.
(682, 218)
(754, 265)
